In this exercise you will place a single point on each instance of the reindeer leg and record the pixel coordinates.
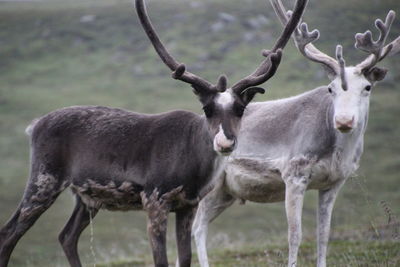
(325, 206)
(294, 205)
(157, 211)
(213, 204)
(296, 180)
(184, 220)
(41, 192)
(71, 232)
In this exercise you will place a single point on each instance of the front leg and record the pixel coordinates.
(296, 178)
(212, 205)
(325, 206)
(184, 220)
(157, 208)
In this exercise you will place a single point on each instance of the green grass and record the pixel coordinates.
(49, 59)
(341, 253)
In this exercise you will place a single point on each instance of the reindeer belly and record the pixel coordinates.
(254, 179)
(111, 196)
(259, 180)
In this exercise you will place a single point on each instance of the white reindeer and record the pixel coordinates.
(310, 141)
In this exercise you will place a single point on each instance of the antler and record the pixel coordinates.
(268, 66)
(378, 51)
(303, 39)
(179, 71)
(263, 73)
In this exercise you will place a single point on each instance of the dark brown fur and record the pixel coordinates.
(118, 160)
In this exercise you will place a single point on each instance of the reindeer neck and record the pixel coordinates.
(349, 146)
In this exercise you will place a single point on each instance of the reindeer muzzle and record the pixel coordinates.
(344, 124)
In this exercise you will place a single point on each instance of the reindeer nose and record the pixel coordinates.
(224, 145)
(227, 147)
(344, 124)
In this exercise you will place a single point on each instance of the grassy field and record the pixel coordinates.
(61, 53)
(342, 253)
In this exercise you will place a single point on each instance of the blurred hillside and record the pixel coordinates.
(61, 53)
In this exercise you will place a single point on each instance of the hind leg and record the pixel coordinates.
(71, 232)
(41, 192)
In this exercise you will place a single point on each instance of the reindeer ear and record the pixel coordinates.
(248, 94)
(376, 74)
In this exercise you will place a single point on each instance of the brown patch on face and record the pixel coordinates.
(228, 117)
(224, 111)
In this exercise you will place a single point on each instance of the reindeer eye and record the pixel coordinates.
(208, 110)
(368, 88)
(330, 90)
(238, 109)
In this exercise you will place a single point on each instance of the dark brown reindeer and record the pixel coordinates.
(120, 160)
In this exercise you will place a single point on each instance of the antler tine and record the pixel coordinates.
(291, 26)
(303, 39)
(268, 66)
(273, 60)
(378, 51)
(395, 47)
(179, 71)
(342, 65)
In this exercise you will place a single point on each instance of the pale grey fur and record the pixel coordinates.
(326, 129)
(273, 136)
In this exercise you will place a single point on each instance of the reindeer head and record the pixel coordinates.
(350, 87)
(223, 111)
(223, 106)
